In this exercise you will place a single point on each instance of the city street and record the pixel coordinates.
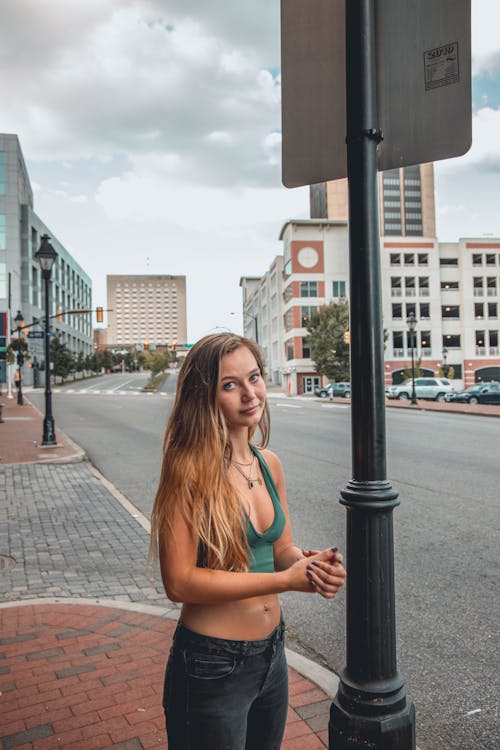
(445, 468)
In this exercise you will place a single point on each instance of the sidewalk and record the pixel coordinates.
(85, 627)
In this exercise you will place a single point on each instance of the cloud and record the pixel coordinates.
(93, 79)
(485, 45)
(485, 150)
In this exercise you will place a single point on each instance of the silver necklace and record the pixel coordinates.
(250, 480)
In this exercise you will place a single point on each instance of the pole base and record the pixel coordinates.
(49, 432)
(392, 731)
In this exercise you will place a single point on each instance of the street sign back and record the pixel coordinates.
(423, 85)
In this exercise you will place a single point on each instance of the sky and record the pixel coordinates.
(151, 133)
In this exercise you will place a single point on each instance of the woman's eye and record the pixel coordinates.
(228, 386)
(254, 378)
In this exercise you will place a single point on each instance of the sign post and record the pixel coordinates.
(400, 95)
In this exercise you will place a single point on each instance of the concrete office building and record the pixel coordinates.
(452, 288)
(406, 198)
(20, 233)
(146, 309)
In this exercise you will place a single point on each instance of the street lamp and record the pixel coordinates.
(19, 321)
(411, 322)
(46, 256)
(445, 366)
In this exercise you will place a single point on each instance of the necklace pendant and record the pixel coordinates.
(250, 484)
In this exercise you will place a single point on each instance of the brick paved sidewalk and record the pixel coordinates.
(88, 674)
(80, 677)
(21, 436)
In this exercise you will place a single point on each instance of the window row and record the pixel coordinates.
(409, 259)
(489, 259)
(424, 310)
(410, 286)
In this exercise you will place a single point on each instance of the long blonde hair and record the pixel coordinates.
(196, 452)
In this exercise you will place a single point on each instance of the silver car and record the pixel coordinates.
(430, 388)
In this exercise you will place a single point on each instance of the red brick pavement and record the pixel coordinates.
(80, 677)
(21, 436)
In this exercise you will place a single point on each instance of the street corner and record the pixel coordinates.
(21, 437)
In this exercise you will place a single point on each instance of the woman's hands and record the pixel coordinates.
(320, 572)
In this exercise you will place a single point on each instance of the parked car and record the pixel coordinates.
(334, 390)
(480, 393)
(431, 388)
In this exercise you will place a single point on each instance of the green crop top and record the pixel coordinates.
(261, 559)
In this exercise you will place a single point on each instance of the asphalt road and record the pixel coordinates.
(445, 467)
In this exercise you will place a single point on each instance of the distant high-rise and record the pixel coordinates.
(146, 309)
(407, 206)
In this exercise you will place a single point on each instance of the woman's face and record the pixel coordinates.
(241, 389)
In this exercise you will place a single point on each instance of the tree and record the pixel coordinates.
(327, 340)
(80, 363)
(61, 358)
(159, 361)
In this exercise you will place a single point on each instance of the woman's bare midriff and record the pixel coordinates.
(241, 620)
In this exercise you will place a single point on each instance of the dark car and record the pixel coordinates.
(334, 390)
(480, 393)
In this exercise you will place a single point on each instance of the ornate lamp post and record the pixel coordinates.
(46, 256)
(411, 322)
(19, 321)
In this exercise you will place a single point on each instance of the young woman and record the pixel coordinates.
(220, 525)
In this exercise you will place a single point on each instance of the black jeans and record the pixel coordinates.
(226, 695)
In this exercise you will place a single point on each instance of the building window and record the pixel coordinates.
(2, 173)
(409, 259)
(491, 259)
(397, 311)
(479, 338)
(425, 340)
(338, 289)
(494, 341)
(448, 262)
(492, 310)
(449, 285)
(477, 284)
(491, 283)
(410, 286)
(308, 288)
(306, 349)
(396, 290)
(288, 293)
(450, 311)
(397, 340)
(477, 259)
(425, 310)
(306, 311)
(411, 309)
(287, 269)
(289, 350)
(288, 320)
(478, 310)
(450, 341)
(395, 259)
(423, 259)
(423, 286)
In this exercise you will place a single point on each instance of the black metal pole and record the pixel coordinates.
(20, 363)
(49, 433)
(371, 708)
(413, 392)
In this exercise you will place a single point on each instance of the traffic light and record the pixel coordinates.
(174, 345)
(347, 337)
(59, 315)
(99, 316)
